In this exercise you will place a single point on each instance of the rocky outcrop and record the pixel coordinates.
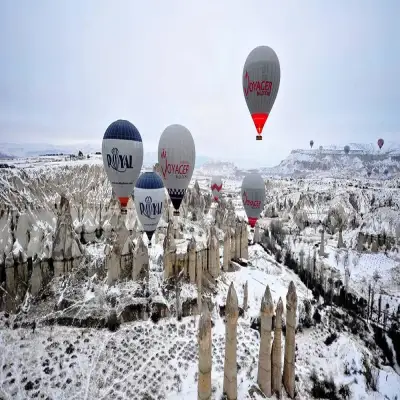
(269, 376)
(67, 250)
(199, 259)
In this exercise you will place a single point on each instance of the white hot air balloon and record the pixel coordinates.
(122, 151)
(216, 187)
(253, 196)
(149, 198)
(176, 156)
(261, 78)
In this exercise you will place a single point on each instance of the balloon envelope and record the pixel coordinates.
(253, 196)
(381, 142)
(216, 187)
(149, 198)
(346, 149)
(176, 156)
(122, 151)
(261, 79)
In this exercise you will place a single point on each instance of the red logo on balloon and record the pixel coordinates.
(179, 170)
(251, 203)
(216, 187)
(262, 88)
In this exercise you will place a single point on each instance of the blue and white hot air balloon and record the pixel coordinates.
(149, 196)
(122, 151)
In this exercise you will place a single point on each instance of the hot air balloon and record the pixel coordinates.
(216, 187)
(261, 78)
(311, 143)
(346, 149)
(176, 156)
(149, 198)
(320, 148)
(381, 142)
(122, 151)
(253, 196)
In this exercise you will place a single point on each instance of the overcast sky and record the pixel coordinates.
(68, 68)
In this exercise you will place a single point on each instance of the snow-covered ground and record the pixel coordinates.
(143, 360)
(160, 360)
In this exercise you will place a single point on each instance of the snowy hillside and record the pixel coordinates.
(217, 168)
(35, 149)
(72, 355)
(331, 161)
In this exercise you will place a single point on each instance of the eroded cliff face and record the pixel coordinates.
(67, 250)
(56, 240)
(30, 261)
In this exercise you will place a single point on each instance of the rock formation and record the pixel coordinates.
(269, 375)
(230, 367)
(322, 245)
(264, 364)
(276, 356)
(290, 345)
(245, 296)
(227, 250)
(257, 234)
(244, 241)
(205, 356)
(340, 240)
(213, 253)
(67, 250)
(114, 257)
(140, 268)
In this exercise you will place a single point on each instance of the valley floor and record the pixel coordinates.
(143, 360)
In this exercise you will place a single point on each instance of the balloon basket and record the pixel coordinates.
(176, 213)
(124, 211)
(258, 137)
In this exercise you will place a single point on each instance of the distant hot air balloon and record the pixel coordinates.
(346, 149)
(176, 156)
(122, 151)
(253, 196)
(149, 198)
(311, 143)
(261, 78)
(320, 148)
(216, 187)
(381, 142)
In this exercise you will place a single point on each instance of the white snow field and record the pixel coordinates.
(147, 360)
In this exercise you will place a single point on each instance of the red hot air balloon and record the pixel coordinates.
(381, 142)
(261, 78)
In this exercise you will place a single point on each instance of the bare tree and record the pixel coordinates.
(336, 219)
(398, 234)
(346, 260)
(376, 276)
(396, 274)
(347, 275)
(355, 260)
